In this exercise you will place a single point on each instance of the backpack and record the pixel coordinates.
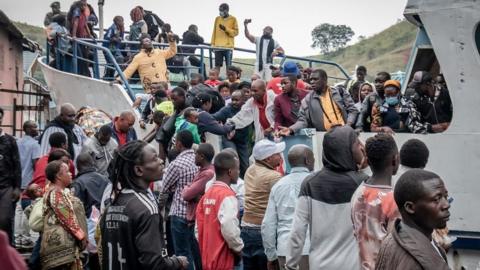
(175, 64)
(217, 100)
(153, 23)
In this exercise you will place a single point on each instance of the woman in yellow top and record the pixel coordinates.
(151, 63)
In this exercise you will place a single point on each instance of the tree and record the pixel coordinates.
(328, 37)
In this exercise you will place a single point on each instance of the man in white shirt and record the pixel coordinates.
(29, 151)
(266, 48)
(278, 219)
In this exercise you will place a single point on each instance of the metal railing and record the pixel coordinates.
(62, 54)
(130, 48)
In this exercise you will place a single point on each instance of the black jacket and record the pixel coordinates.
(217, 100)
(10, 167)
(132, 234)
(153, 23)
(339, 178)
(241, 135)
(191, 38)
(433, 111)
(207, 123)
(88, 186)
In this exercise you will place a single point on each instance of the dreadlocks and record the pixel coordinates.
(121, 168)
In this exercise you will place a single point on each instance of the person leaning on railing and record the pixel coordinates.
(149, 62)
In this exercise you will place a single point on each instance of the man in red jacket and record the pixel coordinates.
(217, 217)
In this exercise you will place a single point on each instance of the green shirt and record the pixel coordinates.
(181, 124)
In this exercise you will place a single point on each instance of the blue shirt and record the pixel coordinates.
(112, 32)
(29, 149)
(278, 220)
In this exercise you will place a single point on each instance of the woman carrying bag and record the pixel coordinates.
(64, 226)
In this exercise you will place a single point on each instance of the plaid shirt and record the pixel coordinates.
(180, 173)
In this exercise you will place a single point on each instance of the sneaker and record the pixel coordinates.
(18, 241)
(27, 243)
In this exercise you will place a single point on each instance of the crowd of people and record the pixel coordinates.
(305, 100)
(95, 202)
(92, 194)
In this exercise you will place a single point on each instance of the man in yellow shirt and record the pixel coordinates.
(225, 30)
(150, 62)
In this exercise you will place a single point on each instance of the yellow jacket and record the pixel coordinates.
(152, 65)
(225, 38)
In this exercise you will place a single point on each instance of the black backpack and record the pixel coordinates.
(153, 23)
(217, 100)
(175, 64)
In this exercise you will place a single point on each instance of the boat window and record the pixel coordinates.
(477, 37)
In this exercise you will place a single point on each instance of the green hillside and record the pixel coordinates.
(32, 32)
(388, 50)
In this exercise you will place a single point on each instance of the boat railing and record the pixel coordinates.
(204, 54)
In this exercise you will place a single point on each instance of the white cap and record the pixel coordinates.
(266, 148)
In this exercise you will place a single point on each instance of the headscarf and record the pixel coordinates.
(374, 90)
(136, 14)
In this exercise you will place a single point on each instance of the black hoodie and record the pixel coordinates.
(324, 207)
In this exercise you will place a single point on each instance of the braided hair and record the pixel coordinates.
(121, 168)
(201, 99)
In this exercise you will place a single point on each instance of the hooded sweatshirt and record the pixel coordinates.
(323, 207)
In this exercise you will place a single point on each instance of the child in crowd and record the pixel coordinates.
(213, 80)
(189, 121)
(226, 93)
(34, 192)
(163, 104)
(233, 74)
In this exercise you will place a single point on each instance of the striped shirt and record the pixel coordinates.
(77, 130)
(180, 173)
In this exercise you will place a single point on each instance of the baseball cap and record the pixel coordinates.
(290, 68)
(266, 148)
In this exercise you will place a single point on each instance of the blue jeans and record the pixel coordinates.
(34, 260)
(223, 54)
(184, 242)
(254, 257)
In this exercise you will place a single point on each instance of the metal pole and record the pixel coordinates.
(202, 66)
(96, 71)
(74, 58)
(48, 52)
(210, 57)
(14, 112)
(100, 18)
(57, 53)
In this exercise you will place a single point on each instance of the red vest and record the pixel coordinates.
(215, 253)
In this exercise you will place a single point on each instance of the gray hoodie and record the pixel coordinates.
(101, 154)
(323, 207)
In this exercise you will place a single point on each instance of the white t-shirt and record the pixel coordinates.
(276, 45)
